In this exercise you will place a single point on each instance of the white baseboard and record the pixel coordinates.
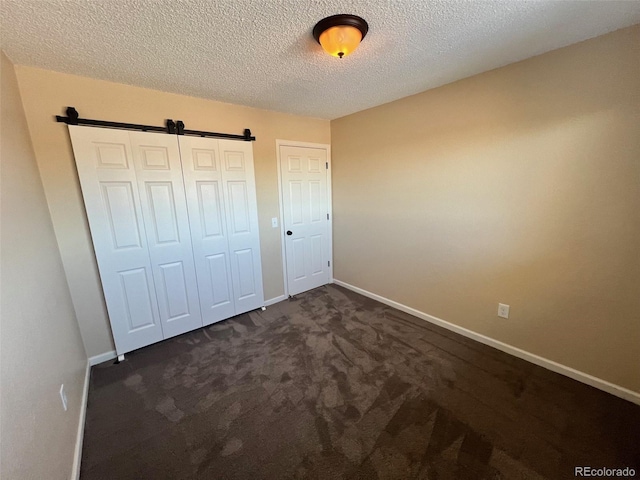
(103, 357)
(275, 300)
(77, 458)
(596, 382)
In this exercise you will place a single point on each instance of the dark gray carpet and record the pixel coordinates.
(335, 385)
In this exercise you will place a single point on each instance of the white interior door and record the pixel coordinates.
(110, 191)
(239, 188)
(304, 174)
(207, 215)
(162, 198)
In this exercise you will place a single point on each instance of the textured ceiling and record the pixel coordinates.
(261, 53)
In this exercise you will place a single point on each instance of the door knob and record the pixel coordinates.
(289, 232)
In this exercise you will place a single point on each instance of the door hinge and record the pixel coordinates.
(326, 164)
(327, 216)
(329, 263)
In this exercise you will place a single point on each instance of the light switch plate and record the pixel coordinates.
(274, 222)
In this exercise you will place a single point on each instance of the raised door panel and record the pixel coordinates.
(110, 191)
(174, 283)
(137, 298)
(240, 210)
(246, 277)
(242, 220)
(317, 255)
(296, 203)
(159, 175)
(317, 202)
(298, 259)
(114, 154)
(211, 210)
(305, 208)
(220, 287)
(120, 209)
(207, 217)
(162, 210)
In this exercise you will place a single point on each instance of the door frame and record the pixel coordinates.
(327, 148)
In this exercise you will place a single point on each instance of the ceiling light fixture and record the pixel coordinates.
(340, 35)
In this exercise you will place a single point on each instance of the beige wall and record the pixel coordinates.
(47, 93)
(521, 186)
(41, 346)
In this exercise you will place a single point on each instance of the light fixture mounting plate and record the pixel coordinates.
(342, 19)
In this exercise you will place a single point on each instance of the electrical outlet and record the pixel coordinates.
(274, 222)
(63, 397)
(503, 310)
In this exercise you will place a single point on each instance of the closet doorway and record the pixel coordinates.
(174, 225)
(304, 181)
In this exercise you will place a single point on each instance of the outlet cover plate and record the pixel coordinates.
(503, 310)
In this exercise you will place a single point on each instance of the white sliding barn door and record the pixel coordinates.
(221, 194)
(204, 192)
(174, 224)
(242, 222)
(306, 223)
(108, 179)
(162, 198)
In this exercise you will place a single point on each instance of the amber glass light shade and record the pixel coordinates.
(341, 34)
(340, 41)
